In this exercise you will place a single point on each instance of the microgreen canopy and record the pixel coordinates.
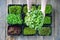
(14, 19)
(34, 19)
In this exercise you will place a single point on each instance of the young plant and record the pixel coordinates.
(45, 31)
(48, 9)
(29, 31)
(14, 19)
(47, 20)
(39, 7)
(25, 9)
(33, 8)
(34, 19)
(15, 9)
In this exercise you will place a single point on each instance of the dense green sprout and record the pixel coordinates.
(25, 10)
(34, 19)
(47, 20)
(45, 31)
(28, 31)
(14, 19)
(33, 8)
(39, 7)
(15, 9)
(48, 8)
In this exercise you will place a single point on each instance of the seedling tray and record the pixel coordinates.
(23, 25)
(46, 35)
(49, 20)
(25, 28)
(16, 27)
(15, 5)
(21, 14)
(26, 8)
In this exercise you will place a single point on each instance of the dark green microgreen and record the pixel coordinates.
(39, 7)
(45, 31)
(47, 20)
(48, 8)
(33, 8)
(25, 9)
(15, 9)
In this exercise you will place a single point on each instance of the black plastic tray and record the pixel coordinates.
(23, 25)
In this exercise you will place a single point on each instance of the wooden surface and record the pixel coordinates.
(3, 24)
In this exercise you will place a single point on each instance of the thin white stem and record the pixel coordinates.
(29, 4)
(43, 5)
